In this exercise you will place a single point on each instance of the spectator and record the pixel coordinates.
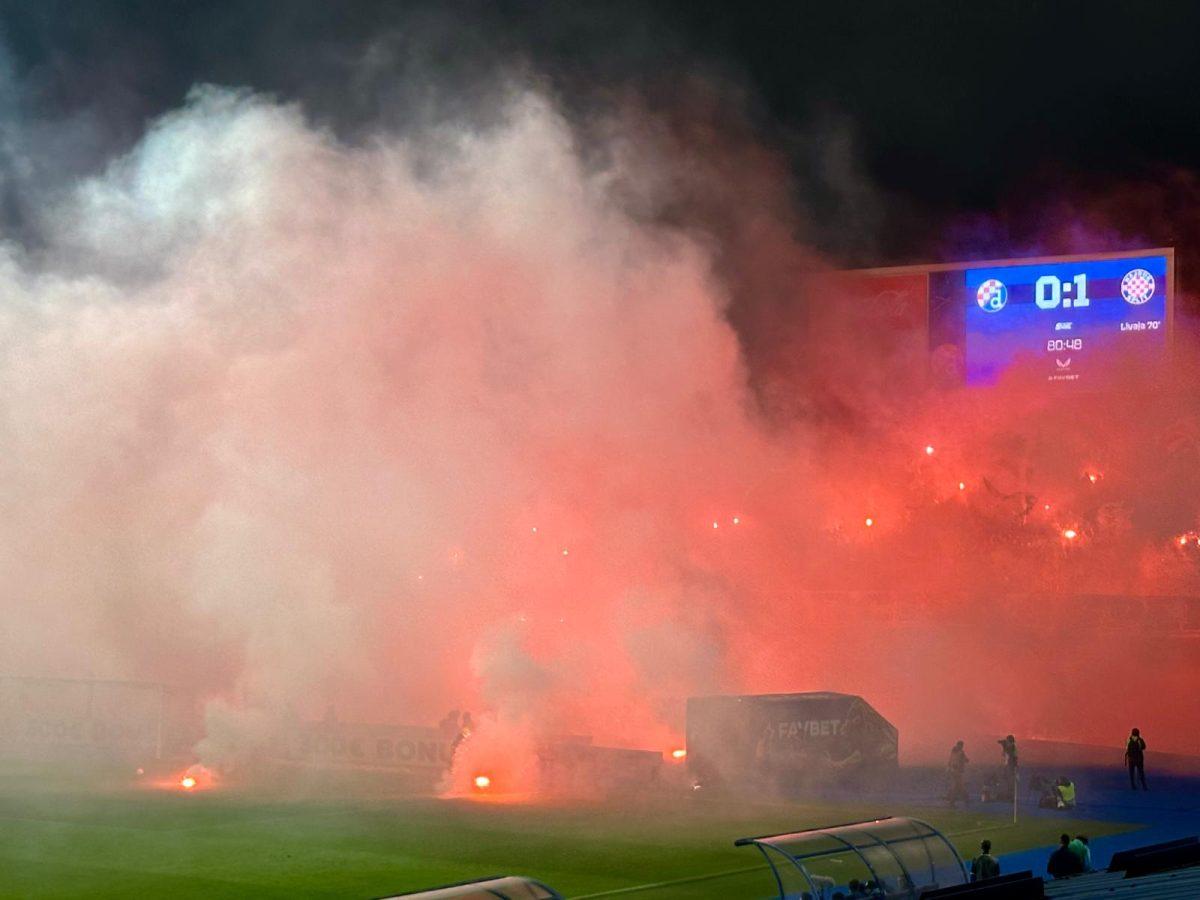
(1063, 863)
(1080, 848)
(985, 866)
(1135, 759)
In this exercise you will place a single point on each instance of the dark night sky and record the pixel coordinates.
(957, 111)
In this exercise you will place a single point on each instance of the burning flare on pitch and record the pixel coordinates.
(197, 778)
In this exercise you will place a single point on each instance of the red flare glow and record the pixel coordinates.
(482, 782)
(678, 754)
(194, 778)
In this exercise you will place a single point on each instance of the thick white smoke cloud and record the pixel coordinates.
(289, 422)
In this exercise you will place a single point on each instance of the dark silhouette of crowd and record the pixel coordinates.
(1073, 857)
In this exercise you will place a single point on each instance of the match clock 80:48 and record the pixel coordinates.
(1055, 345)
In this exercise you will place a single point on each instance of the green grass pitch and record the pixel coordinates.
(77, 835)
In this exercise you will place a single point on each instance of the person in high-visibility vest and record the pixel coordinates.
(1064, 789)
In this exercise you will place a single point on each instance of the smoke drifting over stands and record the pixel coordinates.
(530, 411)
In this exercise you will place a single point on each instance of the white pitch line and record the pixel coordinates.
(662, 884)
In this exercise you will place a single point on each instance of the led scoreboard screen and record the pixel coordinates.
(1064, 313)
(1064, 319)
(1051, 320)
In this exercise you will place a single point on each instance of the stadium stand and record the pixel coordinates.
(1176, 884)
(1157, 858)
(1167, 871)
(1122, 858)
(1017, 886)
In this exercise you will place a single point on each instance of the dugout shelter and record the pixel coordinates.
(896, 857)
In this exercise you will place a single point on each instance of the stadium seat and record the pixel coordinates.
(1181, 857)
(1017, 886)
(1122, 860)
(1175, 884)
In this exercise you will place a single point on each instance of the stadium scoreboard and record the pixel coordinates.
(1063, 319)
(1065, 316)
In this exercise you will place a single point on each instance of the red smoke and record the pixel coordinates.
(317, 426)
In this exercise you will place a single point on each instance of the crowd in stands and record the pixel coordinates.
(1072, 857)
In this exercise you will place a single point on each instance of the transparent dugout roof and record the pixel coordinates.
(896, 858)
